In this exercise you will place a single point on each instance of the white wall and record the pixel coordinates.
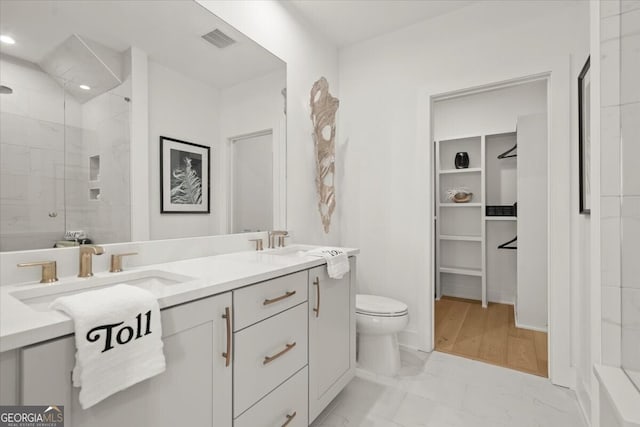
(308, 56)
(488, 112)
(169, 95)
(382, 84)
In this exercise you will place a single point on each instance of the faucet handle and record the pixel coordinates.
(272, 237)
(281, 238)
(258, 242)
(116, 261)
(49, 270)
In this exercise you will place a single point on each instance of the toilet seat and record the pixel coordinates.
(374, 305)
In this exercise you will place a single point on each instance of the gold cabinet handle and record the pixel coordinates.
(269, 359)
(227, 354)
(49, 270)
(280, 298)
(289, 418)
(316, 283)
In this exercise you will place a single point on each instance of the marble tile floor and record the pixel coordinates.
(443, 390)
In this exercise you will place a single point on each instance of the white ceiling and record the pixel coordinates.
(350, 21)
(169, 31)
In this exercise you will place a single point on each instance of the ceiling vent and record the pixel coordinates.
(219, 39)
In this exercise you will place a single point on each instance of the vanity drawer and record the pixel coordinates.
(266, 354)
(289, 401)
(257, 302)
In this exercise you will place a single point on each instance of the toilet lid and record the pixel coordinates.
(374, 304)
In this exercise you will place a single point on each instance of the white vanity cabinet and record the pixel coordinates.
(332, 336)
(270, 383)
(195, 389)
(292, 346)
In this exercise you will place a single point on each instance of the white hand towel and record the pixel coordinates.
(118, 339)
(337, 261)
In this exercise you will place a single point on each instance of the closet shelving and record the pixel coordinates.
(464, 250)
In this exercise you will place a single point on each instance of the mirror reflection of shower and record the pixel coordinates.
(71, 107)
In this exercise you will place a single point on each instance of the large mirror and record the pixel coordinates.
(88, 90)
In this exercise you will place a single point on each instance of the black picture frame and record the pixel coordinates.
(584, 138)
(185, 177)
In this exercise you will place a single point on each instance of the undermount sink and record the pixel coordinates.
(155, 281)
(289, 250)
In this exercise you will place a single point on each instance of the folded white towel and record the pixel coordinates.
(118, 339)
(337, 260)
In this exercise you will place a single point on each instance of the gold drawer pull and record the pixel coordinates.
(280, 298)
(269, 359)
(227, 354)
(317, 308)
(289, 419)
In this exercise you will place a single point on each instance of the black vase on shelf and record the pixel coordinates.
(462, 160)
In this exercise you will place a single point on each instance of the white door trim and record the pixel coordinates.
(230, 144)
(557, 71)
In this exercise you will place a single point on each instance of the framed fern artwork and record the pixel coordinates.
(184, 177)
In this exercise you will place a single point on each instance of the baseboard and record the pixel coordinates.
(533, 328)
(411, 348)
(523, 326)
(409, 339)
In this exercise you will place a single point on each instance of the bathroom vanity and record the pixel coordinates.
(255, 339)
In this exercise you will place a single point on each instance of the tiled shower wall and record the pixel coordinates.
(630, 185)
(105, 133)
(620, 184)
(32, 156)
(46, 139)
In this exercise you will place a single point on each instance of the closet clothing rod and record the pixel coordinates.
(508, 154)
(505, 245)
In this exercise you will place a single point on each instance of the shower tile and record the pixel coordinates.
(611, 343)
(631, 348)
(610, 240)
(630, 22)
(610, 28)
(630, 242)
(610, 151)
(610, 327)
(610, 73)
(608, 8)
(14, 129)
(630, 148)
(15, 159)
(630, 303)
(629, 5)
(630, 67)
(611, 304)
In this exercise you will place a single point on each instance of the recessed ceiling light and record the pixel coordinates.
(85, 87)
(7, 39)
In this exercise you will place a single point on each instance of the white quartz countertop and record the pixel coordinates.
(21, 325)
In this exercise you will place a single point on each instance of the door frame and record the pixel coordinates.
(230, 148)
(557, 72)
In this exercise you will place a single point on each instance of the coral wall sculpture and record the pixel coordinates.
(323, 116)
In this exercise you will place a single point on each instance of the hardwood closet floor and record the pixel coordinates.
(489, 334)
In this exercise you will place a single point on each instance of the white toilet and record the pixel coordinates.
(378, 321)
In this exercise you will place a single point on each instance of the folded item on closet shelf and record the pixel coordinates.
(118, 339)
(337, 260)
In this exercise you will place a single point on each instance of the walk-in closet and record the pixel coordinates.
(490, 175)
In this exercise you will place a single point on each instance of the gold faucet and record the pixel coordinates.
(49, 274)
(280, 234)
(86, 251)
